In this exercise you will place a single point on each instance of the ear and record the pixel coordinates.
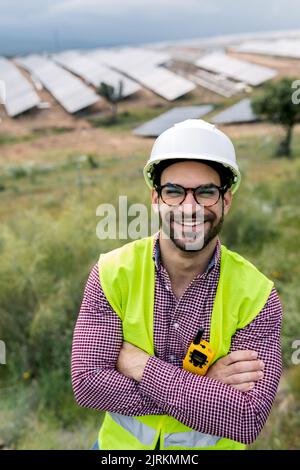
(154, 196)
(227, 201)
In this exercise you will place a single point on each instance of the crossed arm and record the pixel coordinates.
(110, 375)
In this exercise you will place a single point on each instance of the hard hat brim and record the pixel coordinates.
(203, 158)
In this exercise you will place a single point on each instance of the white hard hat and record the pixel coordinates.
(194, 139)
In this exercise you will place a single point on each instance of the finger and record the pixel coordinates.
(244, 378)
(245, 366)
(235, 356)
(244, 387)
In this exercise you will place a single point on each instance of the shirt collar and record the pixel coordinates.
(212, 263)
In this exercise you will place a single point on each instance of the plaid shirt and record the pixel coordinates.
(201, 403)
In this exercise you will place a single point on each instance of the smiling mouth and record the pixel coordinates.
(193, 224)
(190, 224)
(189, 228)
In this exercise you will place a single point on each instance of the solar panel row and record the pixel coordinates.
(142, 66)
(134, 67)
(95, 73)
(281, 48)
(217, 83)
(19, 93)
(238, 69)
(158, 125)
(238, 113)
(68, 90)
(128, 58)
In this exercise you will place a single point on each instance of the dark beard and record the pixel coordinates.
(208, 237)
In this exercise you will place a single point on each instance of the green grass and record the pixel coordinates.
(26, 425)
(128, 120)
(9, 139)
(282, 430)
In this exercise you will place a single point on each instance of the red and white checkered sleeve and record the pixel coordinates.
(97, 341)
(211, 407)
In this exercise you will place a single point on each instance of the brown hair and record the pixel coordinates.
(225, 173)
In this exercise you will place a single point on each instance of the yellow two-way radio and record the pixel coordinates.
(199, 355)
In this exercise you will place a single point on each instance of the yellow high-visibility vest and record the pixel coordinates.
(127, 277)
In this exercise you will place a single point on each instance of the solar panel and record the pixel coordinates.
(142, 66)
(238, 113)
(69, 91)
(93, 72)
(282, 48)
(216, 83)
(129, 57)
(238, 69)
(20, 94)
(158, 125)
(166, 83)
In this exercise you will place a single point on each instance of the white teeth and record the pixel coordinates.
(190, 225)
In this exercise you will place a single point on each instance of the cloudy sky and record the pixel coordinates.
(38, 25)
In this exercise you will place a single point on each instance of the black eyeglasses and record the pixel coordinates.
(206, 195)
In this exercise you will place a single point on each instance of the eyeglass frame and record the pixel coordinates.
(222, 190)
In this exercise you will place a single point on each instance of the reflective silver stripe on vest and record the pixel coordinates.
(190, 439)
(140, 431)
(146, 435)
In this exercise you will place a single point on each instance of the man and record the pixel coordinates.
(145, 302)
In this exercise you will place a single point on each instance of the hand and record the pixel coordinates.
(132, 361)
(239, 369)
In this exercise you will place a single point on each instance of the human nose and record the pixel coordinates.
(189, 198)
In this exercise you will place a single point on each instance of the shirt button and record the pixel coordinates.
(176, 325)
(172, 358)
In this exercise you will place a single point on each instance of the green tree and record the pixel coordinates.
(275, 102)
(113, 95)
